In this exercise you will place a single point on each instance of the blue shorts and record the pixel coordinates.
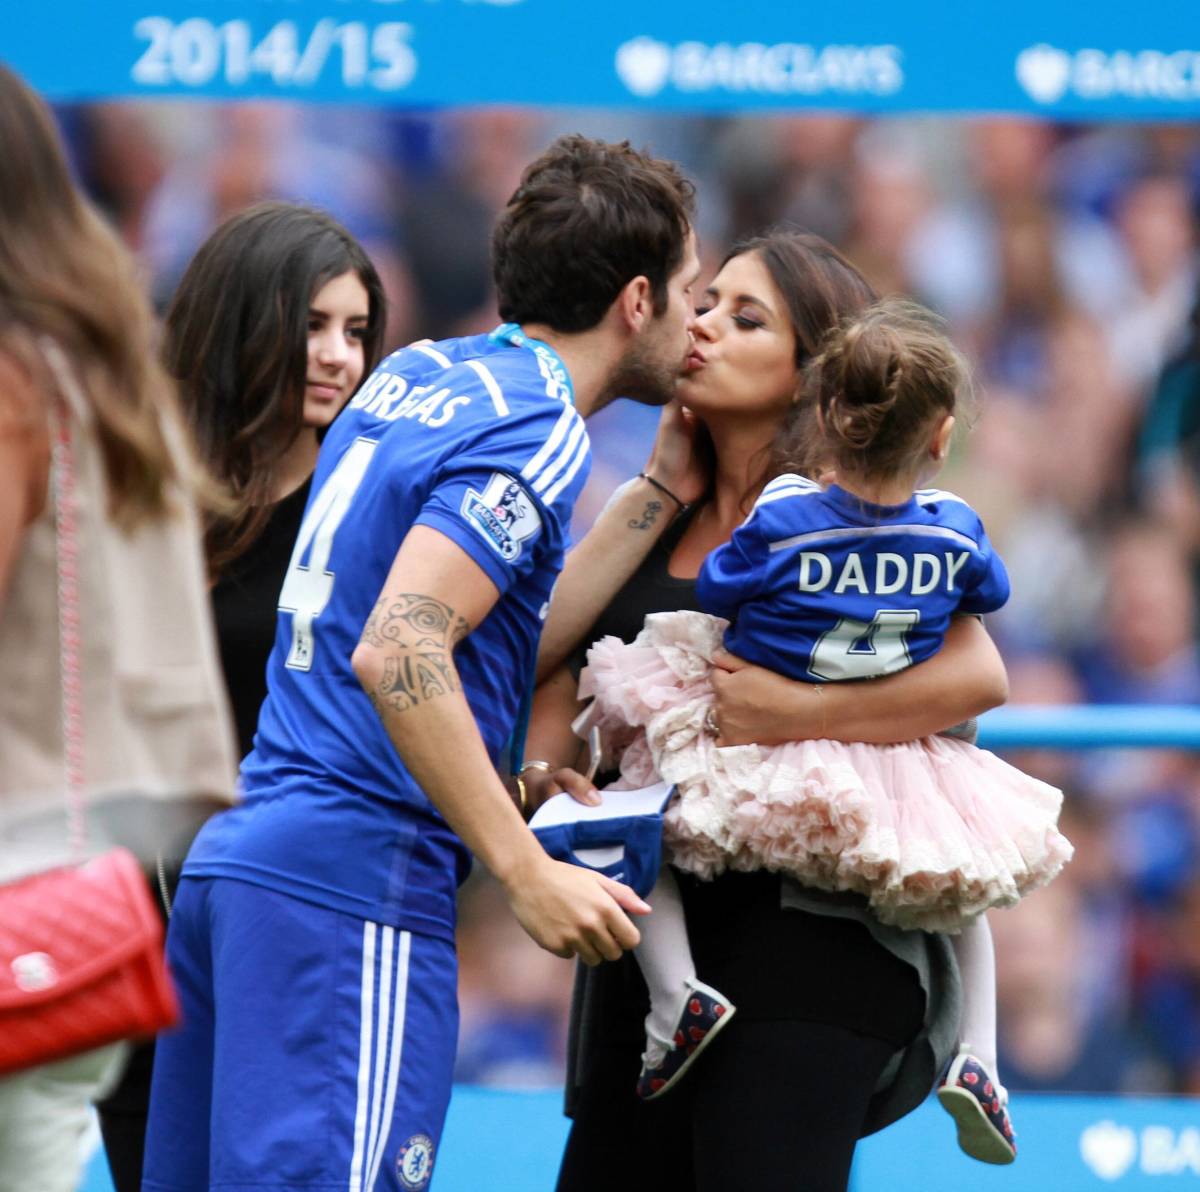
(316, 1049)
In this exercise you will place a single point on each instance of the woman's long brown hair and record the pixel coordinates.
(64, 274)
(820, 288)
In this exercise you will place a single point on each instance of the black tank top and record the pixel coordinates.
(244, 599)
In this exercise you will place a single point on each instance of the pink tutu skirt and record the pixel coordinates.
(931, 832)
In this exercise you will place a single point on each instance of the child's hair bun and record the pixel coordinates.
(878, 382)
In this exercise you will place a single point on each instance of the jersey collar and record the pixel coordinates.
(866, 512)
(558, 380)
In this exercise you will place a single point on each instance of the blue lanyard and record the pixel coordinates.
(558, 380)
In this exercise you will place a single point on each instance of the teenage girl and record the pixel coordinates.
(848, 582)
(275, 323)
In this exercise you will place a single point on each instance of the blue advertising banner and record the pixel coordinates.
(1065, 59)
(1076, 1144)
(512, 1142)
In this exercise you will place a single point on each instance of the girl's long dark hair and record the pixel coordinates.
(237, 343)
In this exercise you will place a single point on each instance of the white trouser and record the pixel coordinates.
(45, 1116)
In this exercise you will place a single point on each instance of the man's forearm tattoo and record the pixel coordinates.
(420, 634)
(649, 516)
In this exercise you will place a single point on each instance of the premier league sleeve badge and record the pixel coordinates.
(504, 513)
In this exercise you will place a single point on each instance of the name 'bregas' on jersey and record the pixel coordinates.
(390, 397)
(443, 410)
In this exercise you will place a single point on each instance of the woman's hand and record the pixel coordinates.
(541, 785)
(673, 459)
(964, 678)
(753, 705)
(621, 537)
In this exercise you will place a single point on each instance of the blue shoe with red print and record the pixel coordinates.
(704, 1013)
(974, 1098)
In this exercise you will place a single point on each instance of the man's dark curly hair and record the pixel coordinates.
(587, 218)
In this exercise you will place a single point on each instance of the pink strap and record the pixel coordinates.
(62, 465)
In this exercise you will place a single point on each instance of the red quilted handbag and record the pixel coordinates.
(81, 956)
(81, 961)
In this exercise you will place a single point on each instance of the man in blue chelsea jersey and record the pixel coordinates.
(312, 939)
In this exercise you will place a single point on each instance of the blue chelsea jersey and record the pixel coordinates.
(823, 586)
(478, 439)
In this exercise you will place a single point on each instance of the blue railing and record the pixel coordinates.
(1091, 726)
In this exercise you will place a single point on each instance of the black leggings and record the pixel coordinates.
(769, 1107)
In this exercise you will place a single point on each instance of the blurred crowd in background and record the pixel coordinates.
(1064, 260)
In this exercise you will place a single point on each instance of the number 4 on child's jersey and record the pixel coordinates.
(308, 585)
(855, 649)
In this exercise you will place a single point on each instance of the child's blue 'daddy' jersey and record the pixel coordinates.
(820, 585)
(477, 438)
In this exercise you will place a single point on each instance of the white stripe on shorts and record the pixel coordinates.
(366, 1012)
(381, 1043)
(393, 1077)
(388, 935)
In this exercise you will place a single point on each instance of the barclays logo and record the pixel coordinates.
(1048, 74)
(1044, 72)
(647, 66)
(1112, 1150)
(643, 65)
(1108, 1149)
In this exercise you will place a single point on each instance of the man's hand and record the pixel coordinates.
(572, 911)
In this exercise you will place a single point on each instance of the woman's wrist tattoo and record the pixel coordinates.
(649, 516)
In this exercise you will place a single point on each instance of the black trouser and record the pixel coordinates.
(123, 1114)
(769, 1107)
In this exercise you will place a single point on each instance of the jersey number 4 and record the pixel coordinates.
(309, 582)
(864, 650)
